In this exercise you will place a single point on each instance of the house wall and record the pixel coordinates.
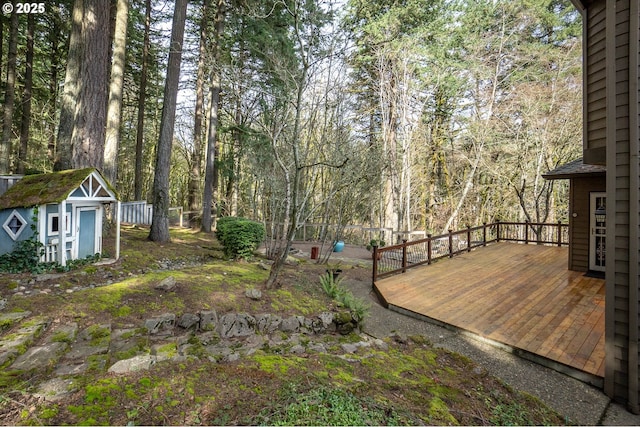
(579, 220)
(7, 244)
(594, 73)
(612, 48)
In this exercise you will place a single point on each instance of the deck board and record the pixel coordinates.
(520, 295)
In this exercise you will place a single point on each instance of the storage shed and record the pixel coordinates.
(64, 209)
(587, 219)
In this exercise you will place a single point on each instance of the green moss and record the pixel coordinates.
(439, 413)
(275, 364)
(63, 336)
(168, 350)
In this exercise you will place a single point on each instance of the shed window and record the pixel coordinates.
(53, 224)
(14, 225)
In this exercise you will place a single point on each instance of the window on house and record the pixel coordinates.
(14, 225)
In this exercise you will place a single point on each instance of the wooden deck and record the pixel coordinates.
(520, 296)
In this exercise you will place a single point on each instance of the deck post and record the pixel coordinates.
(559, 233)
(497, 230)
(404, 255)
(484, 234)
(526, 232)
(428, 249)
(375, 264)
(468, 238)
(450, 243)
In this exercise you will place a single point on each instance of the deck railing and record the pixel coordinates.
(390, 260)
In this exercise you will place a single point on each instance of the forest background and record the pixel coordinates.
(405, 114)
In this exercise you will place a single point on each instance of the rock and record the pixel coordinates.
(326, 318)
(381, 345)
(349, 347)
(55, 389)
(237, 325)
(254, 294)
(189, 321)
(268, 323)
(64, 333)
(3, 303)
(263, 266)
(137, 363)
(297, 349)
(291, 260)
(40, 356)
(163, 323)
(218, 351)
(346, 328)
(14, 317)
(208, 320)
(232, 357)
(292, 324)
(344, 323)
(167, 284)
(317, 347)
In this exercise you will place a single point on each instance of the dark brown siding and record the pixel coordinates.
(595, 76)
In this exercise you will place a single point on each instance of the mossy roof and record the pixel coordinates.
(41, 189)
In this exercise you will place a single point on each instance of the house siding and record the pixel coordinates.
(7, 244)
(595, 84)
(619, 99)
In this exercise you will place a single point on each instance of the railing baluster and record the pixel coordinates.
(375, 263)
(404, 255)
(559, 233)
(429, 249)
(468, 238)
(484, 234)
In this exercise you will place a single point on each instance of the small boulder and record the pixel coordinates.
(189, 321)
(159, 324)
(237, 325)
(208, 320)
(254, 294)
(167, 284)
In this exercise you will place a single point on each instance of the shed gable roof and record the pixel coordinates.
(55, 187)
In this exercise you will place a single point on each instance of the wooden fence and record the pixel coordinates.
(390, 260)
(141, 213)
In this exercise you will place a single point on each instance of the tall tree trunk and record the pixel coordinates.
(26, 97)
(54, 38)
(114, 109)
(9, 97)
(209, 177)
(141, 101)
(88, 134)
(196, 159)
(160, 222)
(70, 91)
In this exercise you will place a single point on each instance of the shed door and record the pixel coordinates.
(598, 231)
(86, 232)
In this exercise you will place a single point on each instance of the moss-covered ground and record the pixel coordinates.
(410, 383)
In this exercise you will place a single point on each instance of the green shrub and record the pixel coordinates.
(240, 237)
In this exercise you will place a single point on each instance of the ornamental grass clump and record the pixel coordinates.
(332, 286)
(240, 237)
